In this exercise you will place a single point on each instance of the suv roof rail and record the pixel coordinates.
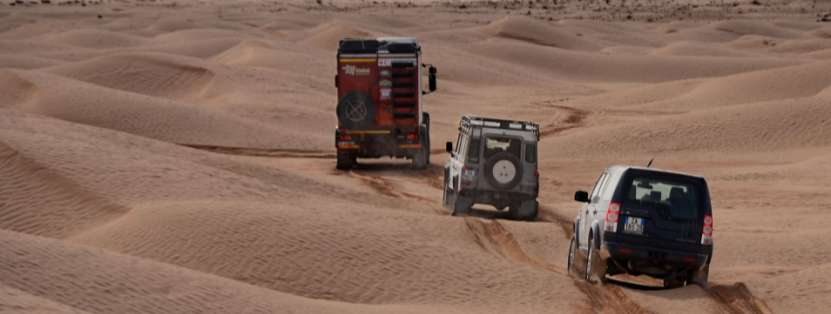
(470, 120)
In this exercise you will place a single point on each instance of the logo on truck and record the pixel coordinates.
(355, 71)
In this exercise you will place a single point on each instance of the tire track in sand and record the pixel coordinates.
(494, 238)
(733, 299)
(737, 299)
(263, 152)
(575, 118)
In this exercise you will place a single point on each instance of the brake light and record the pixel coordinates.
(412, 136)
(537, 173)
(345, 137)
(612, 217)
(707, 231)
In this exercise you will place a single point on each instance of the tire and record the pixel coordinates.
(572, 251)
(445, 196)
(356, 111)
(461, 205)
(670, 283)
(422, 159)
(701, 276)
(346, 160)
(498, 170)
(527, 210)
(593, 264)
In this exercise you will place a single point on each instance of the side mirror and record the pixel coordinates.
(448, 147)
(432, 79)
(581, 196)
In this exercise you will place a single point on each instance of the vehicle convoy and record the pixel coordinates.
(380, 113)
(494, 162)
(644, 221)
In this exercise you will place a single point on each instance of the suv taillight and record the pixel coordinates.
(468, 173)
(612, 217)
(707, 231)
(468, 176)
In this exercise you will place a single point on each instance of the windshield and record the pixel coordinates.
(679, 199)
(495, 145)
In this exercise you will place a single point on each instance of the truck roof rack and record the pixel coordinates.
(470, 120)
(381, 44)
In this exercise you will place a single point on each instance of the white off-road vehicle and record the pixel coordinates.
(494, 162)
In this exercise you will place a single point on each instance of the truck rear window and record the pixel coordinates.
(677, 199)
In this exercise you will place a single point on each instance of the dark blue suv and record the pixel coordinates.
(644, 221)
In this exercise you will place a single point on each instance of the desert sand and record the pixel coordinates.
(171, 157)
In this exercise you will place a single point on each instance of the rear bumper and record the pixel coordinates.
(377, 143)
(497, 198)
(653, 257)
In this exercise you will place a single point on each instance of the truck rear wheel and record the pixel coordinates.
(422, 158)
(346, 160)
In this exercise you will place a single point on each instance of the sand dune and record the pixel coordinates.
(751, 128)
(23, 62)
(745, 27)
(62, 207)
(104, 208)
(327, 35)
(685, 48)
(149, 74)
(93, 38)
(149, 116)
(596, 67)
(537, 32)
(22, 302)
(198, 48)
(101, 281)
(196, 34)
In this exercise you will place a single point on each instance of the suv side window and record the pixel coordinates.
(473, 150)
(531, 152)
(458, 142)
(464, 138)
(601, 182)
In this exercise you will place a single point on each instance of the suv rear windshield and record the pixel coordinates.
(676, 199)
(495, 145)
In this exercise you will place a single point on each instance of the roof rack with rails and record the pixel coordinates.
(468, 121)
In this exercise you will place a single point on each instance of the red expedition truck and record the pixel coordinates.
(379, 101)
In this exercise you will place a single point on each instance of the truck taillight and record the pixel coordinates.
(412, 136)
(612, 217)
(707, 231)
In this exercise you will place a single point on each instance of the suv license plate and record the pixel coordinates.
(633, 225)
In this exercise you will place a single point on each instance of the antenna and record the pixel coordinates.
(650, 163)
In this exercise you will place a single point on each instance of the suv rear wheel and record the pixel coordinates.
(346, 160)
(701, 276)
(461, 205)
(593, 264)
(572, 247)
(526, 210)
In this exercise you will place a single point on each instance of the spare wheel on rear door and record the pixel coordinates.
(503, 170)
(356, 110)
